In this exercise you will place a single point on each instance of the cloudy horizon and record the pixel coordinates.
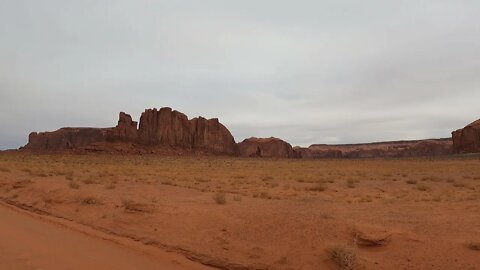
(305, 71)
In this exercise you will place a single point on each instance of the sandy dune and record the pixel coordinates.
(32, 242)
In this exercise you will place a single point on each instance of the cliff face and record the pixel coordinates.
(266, 147)
(433, 147)
(126, 129)
(171, 132)
(172, 128)
(467, 139)
(158, 128)
(65, 138)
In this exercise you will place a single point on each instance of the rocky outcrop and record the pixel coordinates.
(65, 139)
(162, 129)
(433, 147)
(302, 152)
(266, 147)
(166, 131)
(211, 135)
(126, 129)
(172, 128)
(467, 139)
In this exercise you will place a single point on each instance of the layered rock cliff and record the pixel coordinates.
(171, 132)
(266, 147)
(432, 147)
(172, 128)
(162, 128)
(467, 139)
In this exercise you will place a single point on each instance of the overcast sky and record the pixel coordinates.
(339, 71)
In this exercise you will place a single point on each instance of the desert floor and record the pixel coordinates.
(234, 213)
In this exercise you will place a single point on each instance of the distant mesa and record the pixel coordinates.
(467, 139)
(266, 147)
(162, 131)
(394, 149)
(166, 131)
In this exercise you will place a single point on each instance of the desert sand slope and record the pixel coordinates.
(31, 242)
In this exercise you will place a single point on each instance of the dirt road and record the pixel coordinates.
(30, 241)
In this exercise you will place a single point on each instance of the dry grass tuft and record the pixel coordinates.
(74, 185)
(317, 187)
(110, 186)
(4, 169)
(135, 207)
(458, 184)
(220, 198)
(473, 246)
(423, 188)
(344, 256)
(89, 200)
(350, 183)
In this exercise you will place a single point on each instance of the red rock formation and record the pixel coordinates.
(302, 152)
(126, 129)
(467, 139)
(65, 138)
(172, 128)
(212, 136)
(434, 147)
(161, 130)
(265, 147)
(165, 127)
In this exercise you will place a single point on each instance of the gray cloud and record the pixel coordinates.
(306, 71)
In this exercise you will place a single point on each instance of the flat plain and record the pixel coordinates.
(239, 213)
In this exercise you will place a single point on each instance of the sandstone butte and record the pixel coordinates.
(166, 131)
(467, 139)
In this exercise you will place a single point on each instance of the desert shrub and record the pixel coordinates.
(201, 180)
(450, 180)
(411, 182)
(317, 187)
(365, 199)
(220, 198)
(136, 207)
(89, 200)
(344, 256)
(110, 186)
(69, 176)
(74, 185)
(167, 182)
(89, 180)
(39, 174)
(474, 246)
(423, 188)
(267, 178)
(265, 195)
(458, 184)
(350, 183)
(4, 169)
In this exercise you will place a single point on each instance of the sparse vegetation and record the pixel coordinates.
(317, 187)
(220, 198)
(458, 184)
(350, 183)
(344, 256)
(89, 200)
(74, 185)
(423, 188)
(110, 186)
(294, 187)
(474, 246)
